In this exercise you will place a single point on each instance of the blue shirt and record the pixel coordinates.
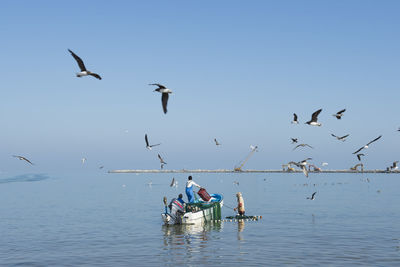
(181, 200)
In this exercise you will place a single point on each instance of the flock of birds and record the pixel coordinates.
(164, 101)
(314, 122)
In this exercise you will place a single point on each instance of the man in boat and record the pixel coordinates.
(177, 209)
(180, 199)
(189, 189)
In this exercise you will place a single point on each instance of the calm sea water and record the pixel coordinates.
(114, 220)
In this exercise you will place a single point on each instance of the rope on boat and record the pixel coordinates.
(227, 206)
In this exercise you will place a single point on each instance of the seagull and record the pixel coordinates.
(324, 163)
(83, 160)
(164, 97)
(302, 145)
(83, 72)
(366, 146)
(339, 114)
(394, 166)
(359, 156)
(161, 161)
(302, 165)
(314, 118)
(312, 196)
(147, 143)
(304, 161)
(23, 158)
(173, 183)
(236, 182)
(101, 167)
(253, 148)
(294, 140)
(356, 166)
(294, 121)
(216, 142)
(398, 129)
(340, 138)
(316, 169)
(304, 169)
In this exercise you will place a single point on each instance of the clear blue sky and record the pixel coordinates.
(237, 69)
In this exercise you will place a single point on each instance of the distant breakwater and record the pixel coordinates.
(249, 171)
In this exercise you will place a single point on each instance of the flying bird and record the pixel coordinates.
(23, 158)
(147, 143)
(83, 160)
(302, 165)
(253, 148)
(312, 196)
(161, 161)
(359, 156)
(216, 142)
(294, 140)
(394, 166)
(304, 161)
(84, 71)
(356, 166)
(164, 95)
(366, 146)
(295, 121)
(302, 145)
(314, 118)
(340, 138)
(339, 114)
(174, 183)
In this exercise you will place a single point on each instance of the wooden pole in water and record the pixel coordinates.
(165, 204)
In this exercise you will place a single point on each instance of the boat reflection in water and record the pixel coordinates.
(184, 242)
(189, 234)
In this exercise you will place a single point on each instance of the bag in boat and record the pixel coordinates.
(203, 194)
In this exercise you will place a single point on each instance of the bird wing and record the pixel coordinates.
(340, 112)
(304, 169)
(161, 160)
(164, 100)
(374, 140)
(78, 60)
(23, 158)
(155, 145)
(297, 146)
(27, 160)
(309, 146)
(294, 117)
(172, 182)
(312, 196)
(334, 135)
(358, 150)
(343, 137)
(314, 116)
(159, 85)
(147, 140)
(95, 75)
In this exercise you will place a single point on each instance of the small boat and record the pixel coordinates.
(194, 213)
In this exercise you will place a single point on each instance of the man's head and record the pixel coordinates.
(180, 196)
(190, 177)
